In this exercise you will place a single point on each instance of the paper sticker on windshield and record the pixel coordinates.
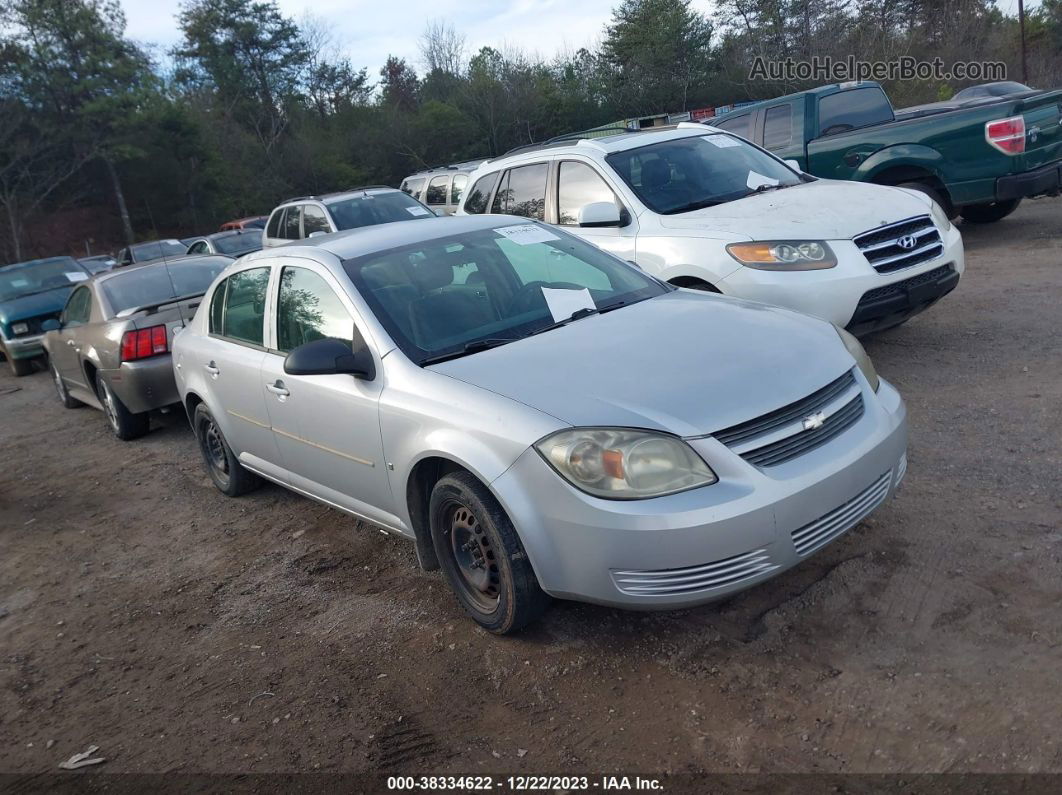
(564, 303)
(526, 234)
(759, 181)
(417, 210)
(77, 277)
(723, 141)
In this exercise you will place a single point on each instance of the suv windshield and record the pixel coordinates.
(160, 248)
(459, 294)
(690, 173)
(238, 243)
(154, 284)
(38, 276)
(368, 209)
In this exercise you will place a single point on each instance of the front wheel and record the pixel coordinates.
(938, 197)
(19, 367)
(222, 465)
(989, 213)
(482, 557)
(125, 424)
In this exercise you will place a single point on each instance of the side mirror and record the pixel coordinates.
(795, 166)
(440, 212)
(330, 356)
(599, 214)
(315, 234)
(51, 324)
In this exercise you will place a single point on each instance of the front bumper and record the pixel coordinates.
(834, 294)
(705, 544)
(144, 385)
(884, 307)
(1046, 180)
(26, 347)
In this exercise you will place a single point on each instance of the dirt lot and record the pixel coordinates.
(178, 630)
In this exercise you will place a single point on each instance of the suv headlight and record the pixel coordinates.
(624, 464)
(855, 348)
(19, 328)
(784, 255)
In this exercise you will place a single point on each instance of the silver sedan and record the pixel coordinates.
(539, 417)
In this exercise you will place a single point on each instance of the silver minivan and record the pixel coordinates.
(440, 188)
(540, 417)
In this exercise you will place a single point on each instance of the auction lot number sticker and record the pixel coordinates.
(525, 783)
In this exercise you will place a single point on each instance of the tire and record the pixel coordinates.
(989, 213)
(19, 367)
(482, 557)
(125, 424)
(61, 390)
(944, 203)
(224, 468)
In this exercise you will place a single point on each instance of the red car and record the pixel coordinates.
(251, 222)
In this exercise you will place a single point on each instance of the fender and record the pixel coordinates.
(916, 156)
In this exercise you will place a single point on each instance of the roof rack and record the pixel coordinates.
(368, 187)
(581, 135)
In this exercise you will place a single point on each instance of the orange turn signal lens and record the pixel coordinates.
(752, 252)
(612, 463)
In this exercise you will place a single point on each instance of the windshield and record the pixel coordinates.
(690, 173)
(160, 248)
(495, 285)
(38, 276)
(237, 244)
(155, 284)
(368, 209)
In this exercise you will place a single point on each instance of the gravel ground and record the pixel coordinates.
(143, 612)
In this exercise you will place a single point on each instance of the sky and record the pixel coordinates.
(369, 30)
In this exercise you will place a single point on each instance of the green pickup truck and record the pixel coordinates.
(978, 162)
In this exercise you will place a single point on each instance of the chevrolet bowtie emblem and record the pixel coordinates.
(816, 420)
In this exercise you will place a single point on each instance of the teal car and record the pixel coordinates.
(31, 293)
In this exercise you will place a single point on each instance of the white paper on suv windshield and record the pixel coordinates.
(77, 277)
(564, 303)
(758, 181)
(723, 141)
(526, 234)
(417, 210)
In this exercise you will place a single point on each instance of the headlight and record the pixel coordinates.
(784, 255)
(856, 349)
(622, 464)
(20, 328)
(939, 216)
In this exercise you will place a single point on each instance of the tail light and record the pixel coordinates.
(1007, 135)
(144, 343)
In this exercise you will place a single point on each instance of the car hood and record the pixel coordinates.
(685, 362)
(17, 309)
(820, 210)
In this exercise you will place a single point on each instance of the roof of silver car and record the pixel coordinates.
(383, 237)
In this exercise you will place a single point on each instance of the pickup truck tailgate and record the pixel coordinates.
(1043, 130)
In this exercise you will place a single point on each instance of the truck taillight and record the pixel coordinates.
(1007, 135)
(144, 343)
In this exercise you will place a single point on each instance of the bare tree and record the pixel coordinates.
(442, 48)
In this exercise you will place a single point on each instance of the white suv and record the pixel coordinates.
(701, 208)
(309, 216)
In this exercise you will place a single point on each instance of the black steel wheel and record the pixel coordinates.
(224, 469)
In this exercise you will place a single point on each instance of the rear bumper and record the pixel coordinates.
(1040, 181)
(144, 385)
(25, 347)
(884, 307)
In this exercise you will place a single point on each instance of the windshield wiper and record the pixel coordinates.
(472, 347)
(765, 188)
(576, 315)
(698, 205)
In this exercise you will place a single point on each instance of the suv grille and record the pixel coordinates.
(882, 247)
(782, 435)
(898, 288)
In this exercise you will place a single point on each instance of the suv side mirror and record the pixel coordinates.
(330, 356)
(51, 324)
(599, 214)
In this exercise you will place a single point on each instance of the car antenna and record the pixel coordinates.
(165, 261)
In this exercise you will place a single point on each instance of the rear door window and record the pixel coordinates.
(852, 109)
(479, 196)
(778, 127)
(242, 314)
(523, 192)
(458, 187)
(437, 190)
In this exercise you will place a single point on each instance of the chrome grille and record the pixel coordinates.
(882, 247)
(781, 435)
(669, 582)
(840, 520)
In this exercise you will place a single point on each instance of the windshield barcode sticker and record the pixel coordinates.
(723, 141)
(526, 234)
(417, 210)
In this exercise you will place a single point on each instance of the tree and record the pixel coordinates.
(398, 84)
(442, 48)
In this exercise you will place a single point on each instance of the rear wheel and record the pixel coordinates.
(125, 424)
(482, 557)
(61, 390)
(222, 465)
(989, 213)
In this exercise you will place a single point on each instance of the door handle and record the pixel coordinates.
(278, 388)
(211, 368)
(71, 343)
